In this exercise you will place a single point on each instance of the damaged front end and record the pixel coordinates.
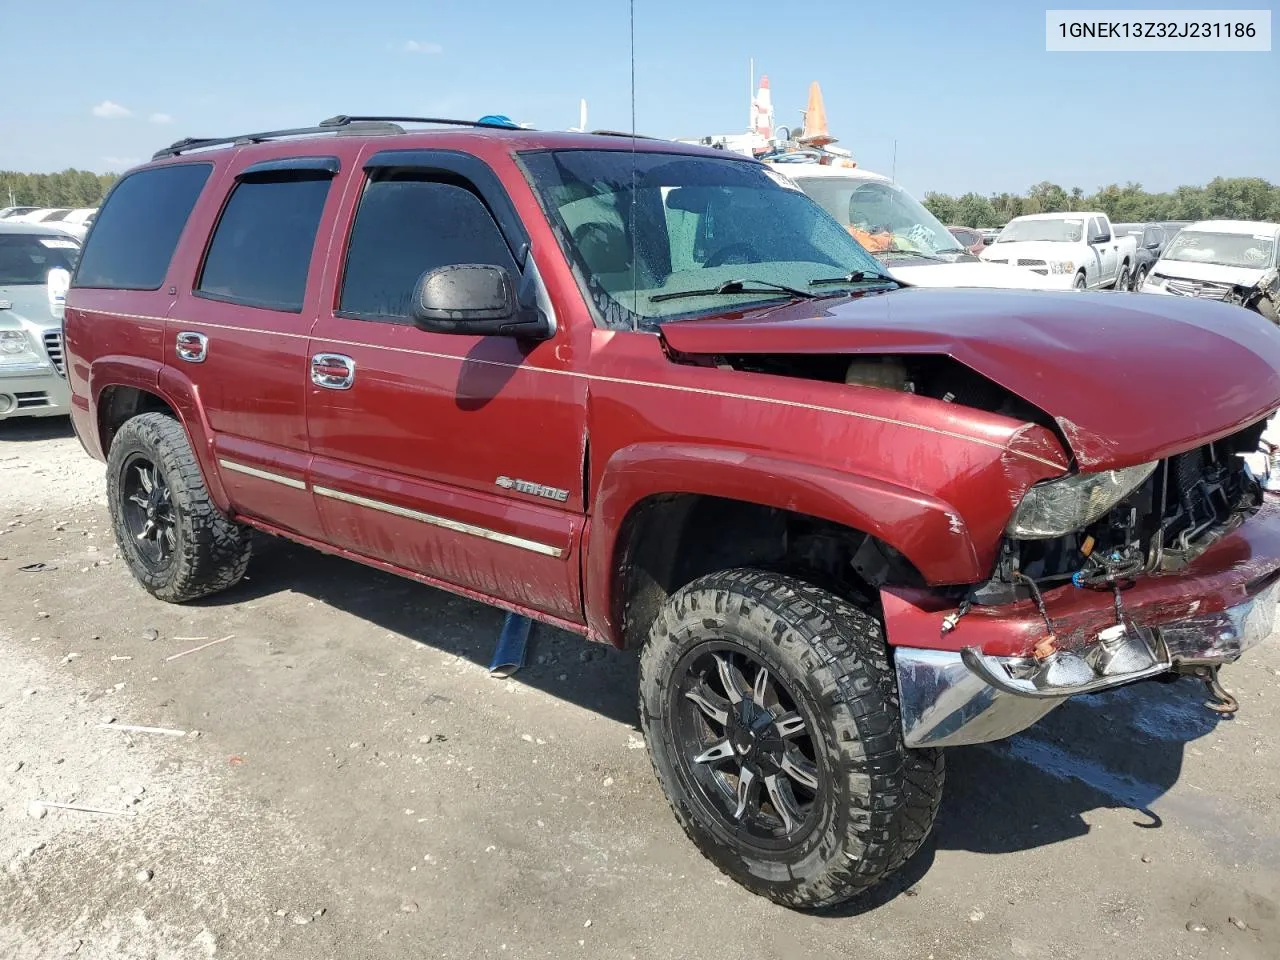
(1172, 566)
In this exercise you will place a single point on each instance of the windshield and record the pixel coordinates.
(1055, 231)
(1227, 249)
(27, 258)
(881, 216)
(699, 224)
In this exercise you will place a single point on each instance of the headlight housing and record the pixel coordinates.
(1057, 507)
(16, 347)
(1153, 282)
(1061, 266)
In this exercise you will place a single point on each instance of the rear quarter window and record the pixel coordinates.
(138, 227)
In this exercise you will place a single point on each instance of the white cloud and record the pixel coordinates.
(121, 161)
(161, 118)
(110, 110)
(418, 46)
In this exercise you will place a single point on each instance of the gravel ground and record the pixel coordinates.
(336, 775)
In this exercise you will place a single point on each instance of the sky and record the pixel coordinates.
(965, 89)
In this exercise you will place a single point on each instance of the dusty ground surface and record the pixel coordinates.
(346, 781)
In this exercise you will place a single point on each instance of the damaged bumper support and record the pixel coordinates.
(974, 693)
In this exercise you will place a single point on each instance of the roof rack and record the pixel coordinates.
(341, 125)
(620, 133)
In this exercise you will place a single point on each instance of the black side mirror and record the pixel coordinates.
(475, 299)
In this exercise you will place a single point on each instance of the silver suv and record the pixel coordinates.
(36, 263)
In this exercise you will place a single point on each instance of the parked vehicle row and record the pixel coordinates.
(656, 395)
(73, 221)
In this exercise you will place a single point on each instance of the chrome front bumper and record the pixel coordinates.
(953, 698)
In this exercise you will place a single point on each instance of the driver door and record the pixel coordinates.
(456, 457)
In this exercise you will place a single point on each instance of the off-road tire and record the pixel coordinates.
(211, 552)
(879, 799)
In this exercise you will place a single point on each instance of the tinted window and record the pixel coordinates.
(406, 226)
(138, 227)
(261, 248)
(27, 258)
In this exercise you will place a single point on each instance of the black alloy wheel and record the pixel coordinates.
(746, 745)
(148, 511)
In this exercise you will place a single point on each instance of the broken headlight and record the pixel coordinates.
(1057, 507)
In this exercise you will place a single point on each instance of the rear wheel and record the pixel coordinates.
(176, 542)
(771, 712)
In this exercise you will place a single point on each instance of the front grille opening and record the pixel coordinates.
(53, 347)
(1189, 501)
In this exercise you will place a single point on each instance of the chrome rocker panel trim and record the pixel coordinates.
(953, 698)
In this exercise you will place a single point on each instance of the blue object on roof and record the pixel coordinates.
(498, 120)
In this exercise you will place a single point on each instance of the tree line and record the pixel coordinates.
(70, 188)
(1229, 198)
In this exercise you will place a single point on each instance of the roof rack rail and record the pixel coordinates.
(343, 120)
(620, 133)
(340, 125)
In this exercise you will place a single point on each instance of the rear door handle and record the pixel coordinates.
(192, 347)
(333, 371)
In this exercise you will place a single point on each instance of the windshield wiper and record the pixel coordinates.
(912, 253)
(736, 287)
(952, 250)
(857, 276)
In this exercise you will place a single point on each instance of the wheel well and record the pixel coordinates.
(119, 404)
(669, 540)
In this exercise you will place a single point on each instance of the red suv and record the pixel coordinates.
(654, 395)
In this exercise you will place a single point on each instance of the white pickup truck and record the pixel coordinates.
(1078, 250)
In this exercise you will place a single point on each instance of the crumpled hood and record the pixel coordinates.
(1129, 379)
(967, 274)
(1213, 272)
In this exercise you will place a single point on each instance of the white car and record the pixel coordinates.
(46, 215)
(1232, 260)
(897, 230)
(1070, 250)
(76, 222)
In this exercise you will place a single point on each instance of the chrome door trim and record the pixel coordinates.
(262, 474)
(191, 346)
(455, 525)
(324, 367)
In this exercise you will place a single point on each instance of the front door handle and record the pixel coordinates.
(192, 347)
(333, 371)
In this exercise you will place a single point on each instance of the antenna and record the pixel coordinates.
(635, 294)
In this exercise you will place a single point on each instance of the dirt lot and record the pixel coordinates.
(344, 780)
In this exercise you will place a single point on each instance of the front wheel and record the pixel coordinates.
(1140, 278)
(771, 712)
(1081, 283)
(174, 539)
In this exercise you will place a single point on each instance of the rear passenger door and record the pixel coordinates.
(239, 333)
(457, 457)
